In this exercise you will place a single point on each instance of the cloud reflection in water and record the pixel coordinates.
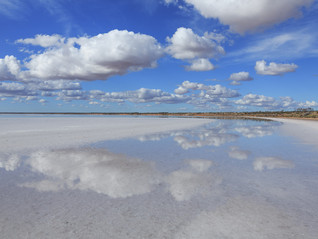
(116, 175)
(261, 163)
(95, 169)
(236, 153)
(120, 176)
(254, 131)
(9, 162)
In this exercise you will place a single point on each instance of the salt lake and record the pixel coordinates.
(157, 178)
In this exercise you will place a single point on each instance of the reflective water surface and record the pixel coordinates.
(226, 179)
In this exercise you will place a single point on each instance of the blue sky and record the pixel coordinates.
(158, 55)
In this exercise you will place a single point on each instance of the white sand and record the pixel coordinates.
(21, 134)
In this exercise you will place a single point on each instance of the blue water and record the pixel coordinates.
(227, 179)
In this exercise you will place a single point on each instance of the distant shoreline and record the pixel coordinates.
(310, 115)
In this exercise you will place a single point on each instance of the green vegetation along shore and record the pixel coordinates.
(299, 114)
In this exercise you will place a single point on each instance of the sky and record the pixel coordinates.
(158, 55)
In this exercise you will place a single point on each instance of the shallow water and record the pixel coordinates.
(226, 179)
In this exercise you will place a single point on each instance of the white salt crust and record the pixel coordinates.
(24, 134)
(92, 193)
(305, 130)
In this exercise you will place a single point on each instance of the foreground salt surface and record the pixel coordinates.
(221, 179)
(18, 134)
(305, 130)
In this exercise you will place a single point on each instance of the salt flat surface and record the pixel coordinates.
(305, 130)
(123, 178)
(31, 133)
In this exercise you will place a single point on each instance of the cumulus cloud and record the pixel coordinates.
(207, 91)
(274, 68)
(247, 16)
(70, 95)
(270, 103)
(54, 85)
(209, 95)
(9, 68)
(142, 95)
(188, 92)
(14, 89)
(236, 78)
(258, 100)
(261, 163)
(91, 58)
(186, 45)
(201, 64)
(43, 40)
(307, 104)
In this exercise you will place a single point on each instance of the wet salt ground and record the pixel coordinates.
(224, 179)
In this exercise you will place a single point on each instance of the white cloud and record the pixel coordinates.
(208, 94)
(54, 85)
(236, 78)
(245, 15)
(280, 46)
(31, 98)
(68, 91)
(92, 58)
(11, 8)
(207, 91)
(261, 163)
(308, 104)
(171, 1)
(258, 100)
(270, 103)
(216, 95)
(94, 103)
(9, 68)
(43, 40)
(69, 95)
(13, 89)
(273, 68)
(142, 95)
(201, 64)
(186, 45)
